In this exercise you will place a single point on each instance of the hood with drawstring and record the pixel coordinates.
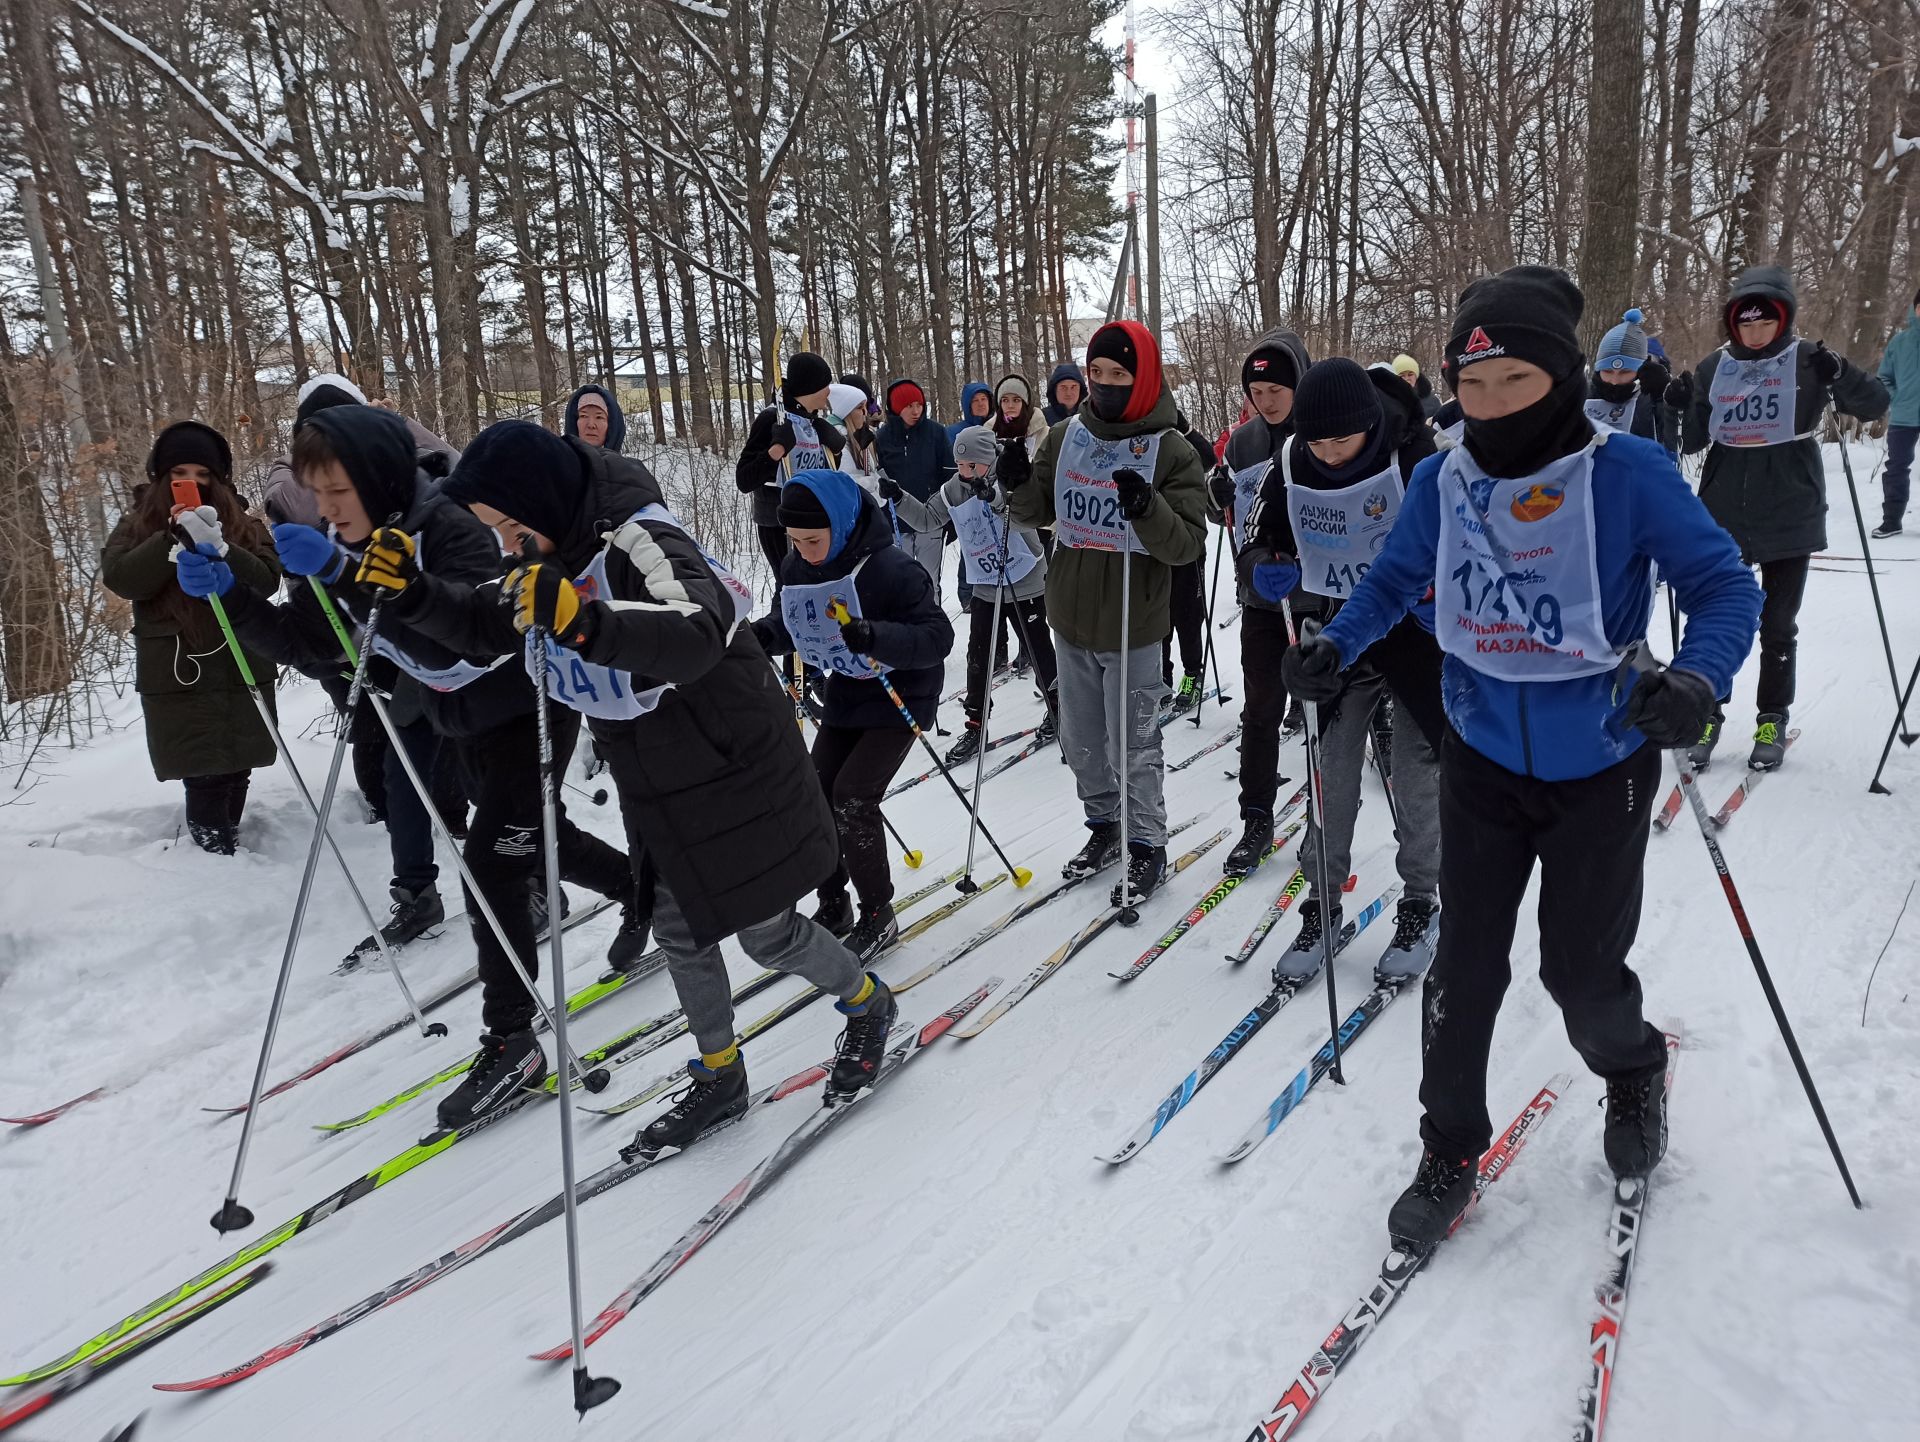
(616, 422)
(1053, 411)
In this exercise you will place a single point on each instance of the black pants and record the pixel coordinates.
(1189, 623)
(1263, 641)
(773, 545)
(369, 746)
(216, 800)
(855, 765)
(1032, 624)
(1590, 840)
(503, 851)
(1785, 585)
(409, 828)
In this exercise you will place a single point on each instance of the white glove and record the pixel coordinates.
(201, 524)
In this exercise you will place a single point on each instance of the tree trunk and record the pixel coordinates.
(33, 609)
(1611, 228)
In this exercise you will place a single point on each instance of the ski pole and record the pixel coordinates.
(598, 796)
(595, 1080)
(1907, 735)
(1129, 913)
(588, 1391)
(1021, 876)
(796, 677)
(1876, 786)
(1323, 885)
(1213, 594)
(966, 883)
(232, 1216)
(909, 855)
(1689, 785)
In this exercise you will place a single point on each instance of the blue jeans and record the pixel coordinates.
(1894, 480)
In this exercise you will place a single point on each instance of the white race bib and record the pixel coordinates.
(1338, 533)
(981, 540)
(1246, 486)
(1517, 583)
(807, 453)
(437, 678)
(1085, 503)
(1754, 400)
(1618, 414)
(808, 613)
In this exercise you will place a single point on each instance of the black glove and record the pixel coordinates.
(1311, 670)
(1015, 467)
(1220, 483)
(782, 435)
(857, 632)
(1135, 492)
(981, 486)
(889, 488)
(1825, 364)
(1671, 708)
(1680, 392)
(1654, 378)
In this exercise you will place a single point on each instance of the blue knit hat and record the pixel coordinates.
(1624, 345)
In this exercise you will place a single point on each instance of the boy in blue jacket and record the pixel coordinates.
(1538, 537)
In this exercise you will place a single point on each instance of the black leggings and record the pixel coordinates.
(1785, 585)
(773, 545)
(855, 764)
(216, 800)
(1032, 626)
(1189, 604)
(1263, 641)
(503, 851)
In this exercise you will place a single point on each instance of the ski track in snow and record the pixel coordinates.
(953, 1262)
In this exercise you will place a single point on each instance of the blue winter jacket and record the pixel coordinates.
(967, 417)
(1900, 373)
(616, 422)
(1644, 515)
(911, 631)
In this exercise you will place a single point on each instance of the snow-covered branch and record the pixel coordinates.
(699, 7)
(189, 146)
(384, 195)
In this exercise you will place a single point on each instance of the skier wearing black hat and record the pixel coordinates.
(361, 467)
(1268, 375)
(1755, 406)
(646, 636)
(1338, 484)
(794, 435)
(1537, 538)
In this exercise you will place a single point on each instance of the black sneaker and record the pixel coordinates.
(1102, 850)
(863, 1043)
(537, 905)
(1146, 869)
(1885, 529)
(415, 913)
(630, 941)
(1301, 961)
(505, 1065)
(1427, 1210)
(1700, 754)
(1769, 742)
(967, 747)
(878, 929)
(1251, 846)
(713, 1095)
(835, 914)
(1636, 1133)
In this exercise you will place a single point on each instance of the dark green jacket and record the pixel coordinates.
(1083, 586)
(200, 720)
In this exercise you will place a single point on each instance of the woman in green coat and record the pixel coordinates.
(202, 728)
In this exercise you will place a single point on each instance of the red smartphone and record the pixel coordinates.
(186, 494)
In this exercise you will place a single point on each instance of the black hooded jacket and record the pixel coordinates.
(759, 475)
(378, 453)
(715, 781)
(616, 421)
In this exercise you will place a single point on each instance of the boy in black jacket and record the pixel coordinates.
(792, 436)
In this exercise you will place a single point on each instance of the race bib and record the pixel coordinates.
(1246, 486)
(808, 613)
(807, 453)
(1338, 533)
(437, 678)
(1618, 414)
(981, 541)
(1517, 585)
(1754, 400)
(1086, 505)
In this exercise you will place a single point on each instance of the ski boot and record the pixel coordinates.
(415, 913)
(967, 747)
(1416, 932)
(1636, 1131)
(863, 1043)
(1102, 850)
(1700, 754)
(1301, 961)
(630, 941)
(1186, 695)
(1251, 846)
(1886, 529)
(1146, 869)
(1427, 1210)
(835, 914)
(1295, 722)
(877, 930)
(713, 1095)
(1769, 742)
(537, 905)
(506, 1065)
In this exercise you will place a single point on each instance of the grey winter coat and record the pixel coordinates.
(932, 516)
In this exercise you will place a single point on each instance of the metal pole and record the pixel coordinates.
(1151, 105)
(1907, 734)
(966, 882)
(1322, 882)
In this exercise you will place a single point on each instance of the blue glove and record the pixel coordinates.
(307, 552)
(1275, 580)
(202, 573)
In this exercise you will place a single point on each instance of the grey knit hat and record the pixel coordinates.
(976, 443)
(1017, 386)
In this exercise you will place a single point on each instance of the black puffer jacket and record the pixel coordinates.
(759, 475)
(1773, 499)
(380, 460)
(911, 632)
(715, 780)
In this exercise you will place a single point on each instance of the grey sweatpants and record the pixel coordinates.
(1090, 708)
(785, 941)
(1416, 790)
(924, 547)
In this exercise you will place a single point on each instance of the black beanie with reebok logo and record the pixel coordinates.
(1528, 312)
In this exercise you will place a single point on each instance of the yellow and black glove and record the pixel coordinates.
(388, 561)
(544, 599)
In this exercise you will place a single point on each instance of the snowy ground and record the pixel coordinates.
(953, 1263)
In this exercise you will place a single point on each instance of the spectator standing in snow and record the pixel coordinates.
(1900, 374)
(593, 415)
(1066, 388)
(915, 459)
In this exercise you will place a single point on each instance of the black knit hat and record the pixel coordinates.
(1528, 312)
(190, 443)
(1272, 364)
(858, 382)
(806, 373)
(800, 507)
(1111, 342)
(1335, 398)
